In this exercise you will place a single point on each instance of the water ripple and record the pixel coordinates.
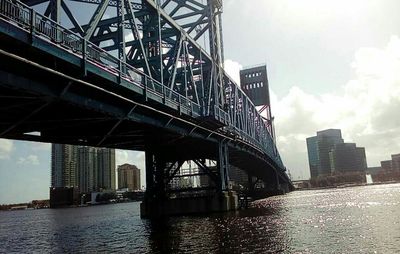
(350, 220)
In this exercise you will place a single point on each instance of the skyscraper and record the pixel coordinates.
(87, 159)
(128, 177)
(88, 168)
(318, 151)
(345, 157)
(106, 168)
(63, 166)
(312, 148)
(326, 141)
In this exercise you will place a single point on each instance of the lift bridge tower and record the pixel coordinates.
(254, 82)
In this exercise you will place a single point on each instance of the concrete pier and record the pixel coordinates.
(223, 202)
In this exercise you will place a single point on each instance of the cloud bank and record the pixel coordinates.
(29, 160)
(6, 148)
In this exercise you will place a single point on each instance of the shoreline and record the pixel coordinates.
(350, 185)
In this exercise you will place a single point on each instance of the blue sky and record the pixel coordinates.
(331, 64)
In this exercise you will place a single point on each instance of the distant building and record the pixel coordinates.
(396, 162)
(238, 176)
(106, 168)
(64, 166)
(326, 141)
(312, 148)
(386, 165)
(63, 196)
(128, 177)
(347, 157)
(85, 168)
(393, 164)
(374, 170)
(318, 151)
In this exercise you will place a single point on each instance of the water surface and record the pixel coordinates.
(349, 220)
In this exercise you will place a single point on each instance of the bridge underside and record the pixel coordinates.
(47, 99)
(49, 96)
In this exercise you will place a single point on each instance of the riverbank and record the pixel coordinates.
(349, 185)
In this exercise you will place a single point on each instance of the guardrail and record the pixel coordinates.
(46, 28)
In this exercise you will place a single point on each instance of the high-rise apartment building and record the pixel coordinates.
(318, 151)
(106, 168)
(87, 168)
(346, 157)
(87, 165)
(128, 177)
(63, 166)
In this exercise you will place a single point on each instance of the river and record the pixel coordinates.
(350, 220)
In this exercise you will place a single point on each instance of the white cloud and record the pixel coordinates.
(121, 157)
(131, 157)
(29, 160)
(6, 147)
(366, 109)
(233, 68)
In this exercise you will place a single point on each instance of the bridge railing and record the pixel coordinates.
(245, 120)
(43, 27)
(249, 127)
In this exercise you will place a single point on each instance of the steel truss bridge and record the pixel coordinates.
(131, 74)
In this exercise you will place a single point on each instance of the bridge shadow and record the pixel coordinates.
(255, 230)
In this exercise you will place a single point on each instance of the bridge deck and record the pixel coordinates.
(51, 88)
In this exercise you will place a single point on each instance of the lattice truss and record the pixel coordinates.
(176, 42)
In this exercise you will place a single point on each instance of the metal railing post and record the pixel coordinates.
(84, 56)
(145, 88)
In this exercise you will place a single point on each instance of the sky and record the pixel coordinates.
(331, 64)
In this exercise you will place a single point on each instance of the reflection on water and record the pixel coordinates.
(351, 220)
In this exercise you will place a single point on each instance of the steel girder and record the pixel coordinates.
(163, 42)
(184, 65)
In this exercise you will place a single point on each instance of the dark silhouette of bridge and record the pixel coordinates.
(137, 75)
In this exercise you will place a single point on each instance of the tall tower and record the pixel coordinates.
(326, 141)
(319, 148)
(254, 83)
(87, 167)
(312, 148)
(106, 168)
(64, 166)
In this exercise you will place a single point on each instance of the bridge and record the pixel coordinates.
(138, 75)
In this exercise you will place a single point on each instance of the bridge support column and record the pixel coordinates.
(281, 187)
(223, 165)
(161, 199)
